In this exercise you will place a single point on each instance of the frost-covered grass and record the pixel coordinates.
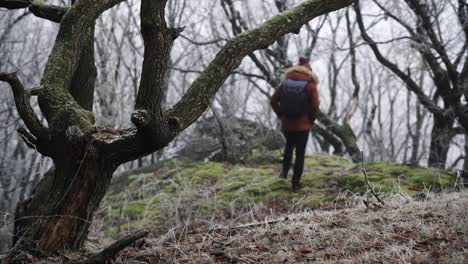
(179, 192)
(432, 230)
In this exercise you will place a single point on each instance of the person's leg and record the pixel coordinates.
(301, 143)
(287, 156)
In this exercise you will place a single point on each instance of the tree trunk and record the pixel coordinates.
(345, 133)
(82, 84)
(65, 201)
(465, 163)
(59, 214)
(441, 136)
(416, 136)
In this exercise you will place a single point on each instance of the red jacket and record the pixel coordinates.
(305, 121)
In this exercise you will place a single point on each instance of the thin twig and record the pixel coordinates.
(367, 182)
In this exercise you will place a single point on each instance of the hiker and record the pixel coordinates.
(296, 103)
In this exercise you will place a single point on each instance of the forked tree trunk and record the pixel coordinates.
(60, 212)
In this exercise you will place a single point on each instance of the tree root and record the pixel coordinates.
(227, 255)
(112, 250)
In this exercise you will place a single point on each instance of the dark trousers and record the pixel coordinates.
(295, 140)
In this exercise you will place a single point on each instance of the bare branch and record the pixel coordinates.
(265, 71)
(462, 12)
(14, 4)
(158, 41)
(411, 84)
(354, 79)
(35, 91)
(23, 106)
(202, 43)
(127, 145)
(440, 76)
(28, 138)
(463, 15)
(56, 101)
(395, 18)
(51, 12)
(315, 33)
(421, 11)
(197, 98)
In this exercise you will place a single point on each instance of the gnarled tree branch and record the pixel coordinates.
(57, 103)
(158, 39)
(130, 144)
(197, 98)
(51, 12)
(111, 251)
(14, 4)
(23, 106)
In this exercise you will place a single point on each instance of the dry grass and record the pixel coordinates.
(434, 230)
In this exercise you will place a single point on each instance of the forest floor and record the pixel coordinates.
(430, 229)
(214, 212)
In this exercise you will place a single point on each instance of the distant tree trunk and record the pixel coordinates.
(465, 162)
(328, 140)
(345, 133)
(441, 136)
(415, 137)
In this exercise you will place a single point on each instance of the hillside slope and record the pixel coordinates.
(434, 230)
(213, 212)
(177, 192)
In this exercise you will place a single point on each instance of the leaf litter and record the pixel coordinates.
(433, 230)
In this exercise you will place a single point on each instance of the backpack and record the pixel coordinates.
(293, 100)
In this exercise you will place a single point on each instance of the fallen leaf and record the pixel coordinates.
(306, 249)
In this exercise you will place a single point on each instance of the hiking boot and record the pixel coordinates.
(283, 175)
(296, 187)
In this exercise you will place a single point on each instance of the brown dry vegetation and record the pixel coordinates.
(432, 229)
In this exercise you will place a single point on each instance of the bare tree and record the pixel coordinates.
(449, 72)
(20, 167)
(85, 156)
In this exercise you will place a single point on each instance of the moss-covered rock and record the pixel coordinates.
(233, 140)
(180, 190)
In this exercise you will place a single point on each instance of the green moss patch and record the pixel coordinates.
(181, 190)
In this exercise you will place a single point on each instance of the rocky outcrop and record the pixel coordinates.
(232, 140)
